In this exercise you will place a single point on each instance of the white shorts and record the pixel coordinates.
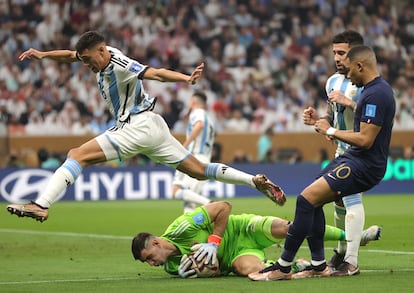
(146, 133)
(186, 182)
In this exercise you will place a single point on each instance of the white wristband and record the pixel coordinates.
(331, 131)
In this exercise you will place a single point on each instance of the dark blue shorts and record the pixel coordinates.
(349, 176)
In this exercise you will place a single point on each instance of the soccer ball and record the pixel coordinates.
(203, 270)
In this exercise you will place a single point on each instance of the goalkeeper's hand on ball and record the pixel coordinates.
(207, 251)
(187, 268)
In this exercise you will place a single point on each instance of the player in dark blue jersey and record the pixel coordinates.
(343, 95)
(359, 169)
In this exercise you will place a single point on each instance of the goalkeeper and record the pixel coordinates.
(237, 242)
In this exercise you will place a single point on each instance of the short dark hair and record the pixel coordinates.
(88, 40)
(138, 244)
(201, 96)
(350, 37)
(361, 52)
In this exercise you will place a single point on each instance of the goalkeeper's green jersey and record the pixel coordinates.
(245, 234)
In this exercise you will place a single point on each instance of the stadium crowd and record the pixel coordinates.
(265, 60)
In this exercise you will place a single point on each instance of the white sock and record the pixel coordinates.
(226, 174)
(64, 176)
(190, 196)
(284, 263)
(354, 225)
(339, 219)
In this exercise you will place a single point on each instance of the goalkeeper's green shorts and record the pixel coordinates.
(256, 237)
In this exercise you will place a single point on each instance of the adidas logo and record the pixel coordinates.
(223, 169)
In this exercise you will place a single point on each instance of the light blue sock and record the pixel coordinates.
(64, 176)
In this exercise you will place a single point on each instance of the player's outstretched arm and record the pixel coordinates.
(57, 55)
(166, 75)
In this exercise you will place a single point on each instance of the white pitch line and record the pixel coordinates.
(102, 236)
(139, 278)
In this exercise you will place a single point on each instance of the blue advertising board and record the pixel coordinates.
(155, 182)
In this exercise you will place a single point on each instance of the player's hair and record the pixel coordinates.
(362, 53)
(201, 96)
(88, 40)
(350, 37)
(139, 243)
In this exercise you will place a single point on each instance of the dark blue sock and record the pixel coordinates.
(316, 238)
(300, 228)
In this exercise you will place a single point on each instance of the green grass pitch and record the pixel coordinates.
(85, 247)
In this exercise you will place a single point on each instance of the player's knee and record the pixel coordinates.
(247, 264)
(244, 270)
(74, 154)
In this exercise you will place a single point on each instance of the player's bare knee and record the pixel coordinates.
(245, 269)
(247, 264)
(76, 154)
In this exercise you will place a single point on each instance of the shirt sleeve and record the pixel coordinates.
(373, 110)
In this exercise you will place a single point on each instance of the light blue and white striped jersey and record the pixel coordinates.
(203, 143)
(343, 117)
(120, 84)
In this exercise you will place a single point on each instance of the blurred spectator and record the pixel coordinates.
(99, 123)
(243, 18)
(234, 53)
(14, 161)
(322, 156)
(14, 126)
(175, 107)
(47, 160)
(240, 157)
(54, 124)
(265, 146)
(279, 50)
(82, 126)
(35, 124)
(237, 123)
(216, 153)
(408, 153)
(190, 55)
(4, 114)
(257, 124)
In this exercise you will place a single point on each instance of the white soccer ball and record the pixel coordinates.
(203, 270)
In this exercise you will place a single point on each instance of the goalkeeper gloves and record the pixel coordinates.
(187, 268)
(207, 251)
